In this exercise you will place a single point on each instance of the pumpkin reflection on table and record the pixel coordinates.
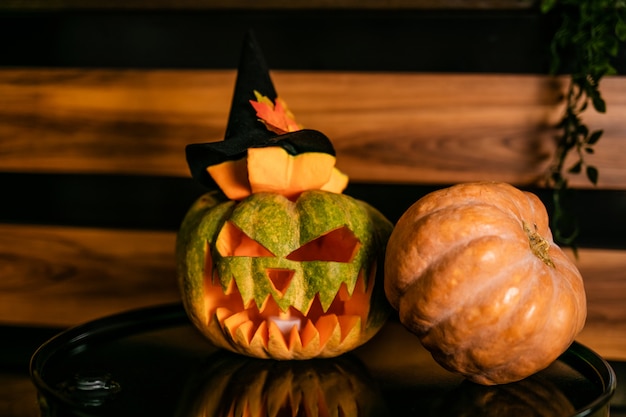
(530, 397)
(234, 385)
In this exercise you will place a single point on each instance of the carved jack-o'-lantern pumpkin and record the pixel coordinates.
(271, 277)
(279, 264)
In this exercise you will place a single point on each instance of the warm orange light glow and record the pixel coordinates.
(315, 328)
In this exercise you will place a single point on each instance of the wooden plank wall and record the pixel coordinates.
(98, 100)
(387, 127)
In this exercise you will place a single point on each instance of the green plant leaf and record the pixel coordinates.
(547, 5)
(584, 45)
(599, 104)
(613, 48)
(594, 137)
(576, 168)
(620, 29)
(592, 174)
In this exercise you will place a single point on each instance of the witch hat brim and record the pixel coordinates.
(244, 130)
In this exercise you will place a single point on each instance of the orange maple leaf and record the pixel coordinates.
(275, 116)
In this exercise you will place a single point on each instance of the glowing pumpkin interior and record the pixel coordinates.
(287, 331)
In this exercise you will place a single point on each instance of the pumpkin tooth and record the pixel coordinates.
(252, 304)
(348, 325)
(222, 313)
(360, 301)
(329, 297)
(244, 333)
(270, 307)
(232, 288)
(305, 311)
(259, 341)
(216, 297)
(295, 343)
(308, 333)
(233, 322)
(276, 343)
(315, 309)
(214, 294)
(345, 293)
(329, 330)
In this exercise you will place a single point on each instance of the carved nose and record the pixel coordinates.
(280, 279)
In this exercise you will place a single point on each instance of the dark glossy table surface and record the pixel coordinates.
(18, 395)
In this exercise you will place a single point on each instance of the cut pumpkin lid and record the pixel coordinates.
(264, 149)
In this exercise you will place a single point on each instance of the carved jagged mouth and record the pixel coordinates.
(290, 334)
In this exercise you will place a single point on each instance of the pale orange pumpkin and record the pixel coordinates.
(473, 271)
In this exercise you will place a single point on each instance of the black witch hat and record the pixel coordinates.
(244, 129)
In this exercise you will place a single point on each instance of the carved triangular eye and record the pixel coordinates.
(232, 241)
(338, 245)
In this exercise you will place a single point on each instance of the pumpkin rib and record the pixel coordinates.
(519, 352)
(471, 194)
(497, 280)
(562, 261)
(432, 224)
(573, 277)
(476, 194)
(571, 284)
(444, 211)
(479, 370)
(539, 213)
(456, 304)
(533, 278)
(540, 321)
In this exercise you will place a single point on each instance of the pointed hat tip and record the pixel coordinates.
(252, 75)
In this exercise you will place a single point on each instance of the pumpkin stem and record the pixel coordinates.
(538, 245)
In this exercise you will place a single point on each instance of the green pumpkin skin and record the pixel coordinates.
(282, 227)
